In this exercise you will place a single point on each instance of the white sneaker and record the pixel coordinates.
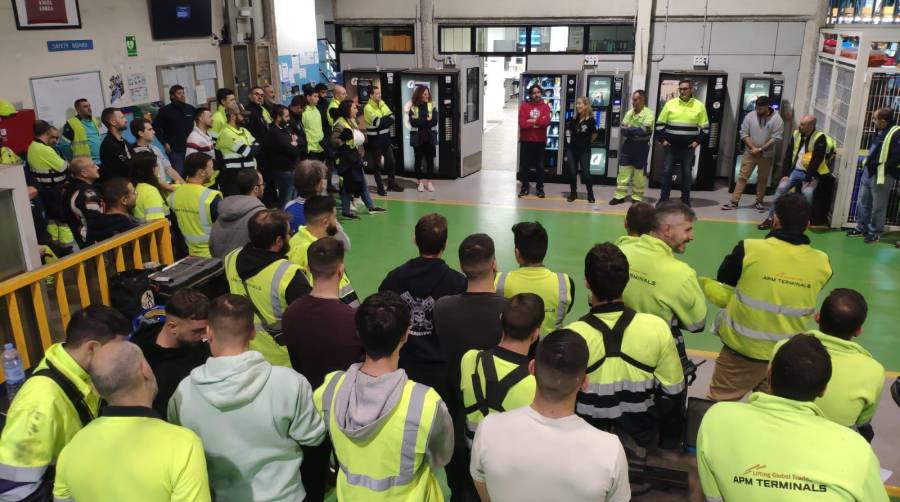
(421, 187)
(429, 186)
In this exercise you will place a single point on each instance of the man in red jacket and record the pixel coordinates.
(534, 117)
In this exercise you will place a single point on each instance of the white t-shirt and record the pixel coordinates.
(522, 455)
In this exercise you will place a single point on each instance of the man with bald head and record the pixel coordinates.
(130, 453)
(340, 94)
(82, 201)
(807, 162)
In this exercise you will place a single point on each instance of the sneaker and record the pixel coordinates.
(765, 225)
(591, 199)
(572, 196)
(382, 192)
(376, 209)
(395, 188)
(729, 206)
(429, 186)
(540, 193)
(615, 201)
(350, 216)
(524, 191)
(854, 233)
(759, 207)
(872, 238)
(421, 187)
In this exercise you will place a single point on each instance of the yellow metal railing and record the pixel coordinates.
(51, 276)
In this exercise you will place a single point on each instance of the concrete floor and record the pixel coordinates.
(495, 187)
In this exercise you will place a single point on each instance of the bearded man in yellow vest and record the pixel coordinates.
(262, 272)
(776, 281)
(780, 446)
(882, 169)
(83, 132)
(389, 433)
(196, 206)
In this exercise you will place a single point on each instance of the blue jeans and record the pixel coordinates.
(871, 203)
(284, 184)
(347, 196)
(685, 156)
(177, 159)
(794, 180)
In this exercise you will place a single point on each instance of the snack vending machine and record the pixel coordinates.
(608, 96)
(752, 87)
(560, 91)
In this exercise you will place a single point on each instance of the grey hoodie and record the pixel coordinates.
(230, 229)
(252, 417)
(363, 403)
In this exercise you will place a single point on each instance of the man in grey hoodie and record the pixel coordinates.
(230, 230)
(389, 433)
(252, 416)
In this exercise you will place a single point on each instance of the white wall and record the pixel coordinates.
(374, 61)
(295, 26)
(369, 10)
(742, 8)
(106, 22)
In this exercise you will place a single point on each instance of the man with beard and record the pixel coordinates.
(196, 207)
(173, 124)
(262, 272)
(115, 152)
(82, 131)
(238, 148)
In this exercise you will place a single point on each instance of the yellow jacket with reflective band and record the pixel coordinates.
(344, 124)
(391, 465)
(505, 361)
(129, 453)
(332, 105)
(219, 121)
(775, 449)
(40, 422)
(663, 285)
(149, 204)
(882, 157)
(7, 156)
(45, 164)
(555, 288)
(414, 113)
(679, 119)
(236, 147)
(774, 297)
(854, 391)
(829, 150)
(300, 243)
(191, 203)
(373, 114)
(267, 292)
(312, 127)
(80, 146)
(617, 387)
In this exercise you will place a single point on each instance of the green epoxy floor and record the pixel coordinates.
(382, 242)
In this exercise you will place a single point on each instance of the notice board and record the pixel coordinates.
(54, 97)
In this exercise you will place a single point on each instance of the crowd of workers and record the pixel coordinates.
(290, 384)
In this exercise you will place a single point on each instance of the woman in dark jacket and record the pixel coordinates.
(423, 135)
(582, 132)
(346, 138)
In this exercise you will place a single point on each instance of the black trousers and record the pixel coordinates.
(532, 160)
(314, 470)
(580, 161)
(382, 156)
(228, 182)
(426, 153)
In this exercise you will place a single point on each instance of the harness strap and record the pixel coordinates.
(612, 340)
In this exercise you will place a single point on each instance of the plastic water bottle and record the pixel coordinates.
(12, 370)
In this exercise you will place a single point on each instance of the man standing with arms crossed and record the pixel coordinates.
(379, 121)
(534, 117)
(637, 128)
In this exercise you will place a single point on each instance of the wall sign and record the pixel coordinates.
(70, 45)
(46, 14)
(131, 45)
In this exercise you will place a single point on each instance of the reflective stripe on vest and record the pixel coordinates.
(80, 146)
(236, 284)
(751, 333)
(771, 307)
(415, 114)
(561, 307)
(202, 219)
(829, 149)
(882, 157)
(346, 125)
(562, 304)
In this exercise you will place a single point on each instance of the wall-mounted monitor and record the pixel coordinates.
(171, 19)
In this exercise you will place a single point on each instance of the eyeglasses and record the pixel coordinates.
(258, 94)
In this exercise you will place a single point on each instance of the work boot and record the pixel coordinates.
(616, 201)
(539, 192)
(572, 196)
(525, 190)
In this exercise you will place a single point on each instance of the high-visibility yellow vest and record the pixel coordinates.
(775, 296)
(373, 113)
(391, 465)
(555, 288)
(823, 168)
(775, 449)
(346, 125)
(624, 376)
(45, 164)
(149, 204)
(7, 156)
(266, 115)
(300, 243)
(267, 292)
(332, 105)
(683, 118)
(882, 158)
(312, 127)
(495, 380)
(80, 145)
(42, 420)
(236, 147)
(191, 203)
(414, 113)
(219, 121)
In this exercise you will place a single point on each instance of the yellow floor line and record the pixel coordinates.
(893, 491)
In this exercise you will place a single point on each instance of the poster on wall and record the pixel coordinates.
(46, 14)
(116, 89)
(137, 87)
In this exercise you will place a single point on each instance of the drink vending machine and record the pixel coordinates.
(752, 87)
(710, 87)
(607, 93)
(560, 91)
(445, 94)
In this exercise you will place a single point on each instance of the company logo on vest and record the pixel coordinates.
(755, 475)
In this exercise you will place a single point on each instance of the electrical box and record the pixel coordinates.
(450, 60)
(701, 61)
(245, 21)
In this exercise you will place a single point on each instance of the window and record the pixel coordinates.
(611, 39)
(396, 39)
(358, 38)
(862, 11)
(456, 39)
(473, 94)
(557, 38)
(503, 39)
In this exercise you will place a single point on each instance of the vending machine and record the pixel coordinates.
(753, 86)
(359, 84)
(710, 87)
(608, 94)
(444, 87)
(560, 91)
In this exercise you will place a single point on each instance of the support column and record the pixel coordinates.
(643, 25)
(426, 51)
